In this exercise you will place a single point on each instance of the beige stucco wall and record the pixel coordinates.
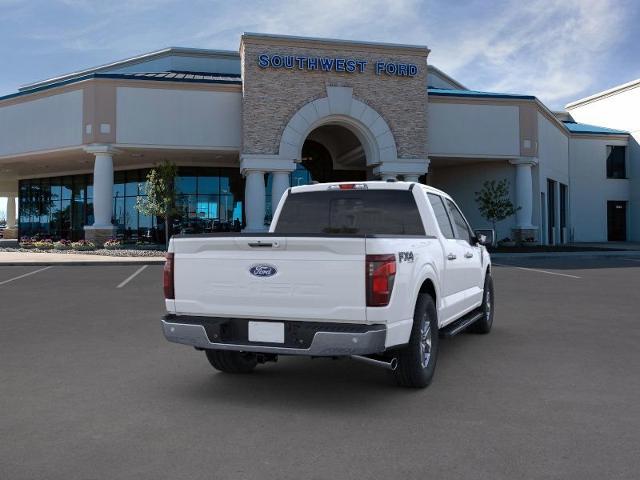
(184, 118)
(459, 129)
(272, 96)
(50, 122)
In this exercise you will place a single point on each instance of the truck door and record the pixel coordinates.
(471, 264)
(453, 281)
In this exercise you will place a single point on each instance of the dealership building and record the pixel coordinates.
(245, 126)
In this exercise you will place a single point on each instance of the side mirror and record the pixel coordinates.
(484, 237)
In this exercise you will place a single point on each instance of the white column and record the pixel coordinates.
(254, 200)
(409, 168)
(11, 211)
(103, 190)
(524, 192)
(279, 184)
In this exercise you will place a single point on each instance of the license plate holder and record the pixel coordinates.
(266, 332)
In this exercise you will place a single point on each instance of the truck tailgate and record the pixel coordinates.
(271, 277)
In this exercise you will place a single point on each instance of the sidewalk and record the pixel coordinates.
(32, 258)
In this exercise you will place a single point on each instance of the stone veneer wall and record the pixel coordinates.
(271, 96)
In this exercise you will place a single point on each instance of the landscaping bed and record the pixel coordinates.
(111, 248)
(123, 252)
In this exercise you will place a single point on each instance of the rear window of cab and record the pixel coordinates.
(350, 212)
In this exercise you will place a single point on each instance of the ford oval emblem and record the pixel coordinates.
(263, 270)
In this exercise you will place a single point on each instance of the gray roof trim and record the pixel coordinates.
(223, 79)
(133, 61)
(603, 94)
(447, 77)
(335, 41)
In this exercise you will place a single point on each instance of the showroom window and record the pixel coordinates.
(300, 176)
(209, 200)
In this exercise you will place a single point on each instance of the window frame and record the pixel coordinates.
(446, 211)
(625, 172)
(470, 233)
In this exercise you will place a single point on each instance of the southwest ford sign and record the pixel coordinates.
(335, 64)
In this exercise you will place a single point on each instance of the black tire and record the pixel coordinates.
(412, 370)
(483, 326)
(232, 362)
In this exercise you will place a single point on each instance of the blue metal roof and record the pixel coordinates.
(575, 127)
(172, 76)
(444, 92)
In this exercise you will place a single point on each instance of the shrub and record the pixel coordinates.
(26, 242)
(43, 244)
(83, 245)
(113, 244)
(62, 245)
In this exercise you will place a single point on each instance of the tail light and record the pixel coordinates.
(169, 292)
(381, 273)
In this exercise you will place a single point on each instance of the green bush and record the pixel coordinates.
(83, 245)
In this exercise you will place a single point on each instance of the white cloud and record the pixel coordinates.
(554, 49)
(548, 48)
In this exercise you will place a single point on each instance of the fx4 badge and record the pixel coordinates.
(405, 257)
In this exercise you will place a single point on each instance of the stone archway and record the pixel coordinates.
(340, 108)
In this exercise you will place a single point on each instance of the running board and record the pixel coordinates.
(459, 325)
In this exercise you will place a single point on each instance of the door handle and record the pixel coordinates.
(261, 245)
(468, 255)
(451, 256)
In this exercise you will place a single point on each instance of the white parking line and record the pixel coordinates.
(539, 271)
(25, 275)
(633, 259)
(132, 276)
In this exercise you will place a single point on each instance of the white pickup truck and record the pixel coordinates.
(376, 271)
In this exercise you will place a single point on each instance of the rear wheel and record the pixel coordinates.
(417, 361)
(232, 362)
(484, 324)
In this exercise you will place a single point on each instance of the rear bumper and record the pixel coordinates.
(301, 338)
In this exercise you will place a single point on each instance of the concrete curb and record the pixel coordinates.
(81, 263)
(590, 254)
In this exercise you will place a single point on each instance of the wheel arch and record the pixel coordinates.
(427, 283)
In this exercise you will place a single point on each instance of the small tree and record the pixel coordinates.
(494, 203)
(160, 200)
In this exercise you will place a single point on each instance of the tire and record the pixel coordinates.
(415, 367)
(232, 362)
(483, 326)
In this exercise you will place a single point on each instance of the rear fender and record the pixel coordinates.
(428, 272)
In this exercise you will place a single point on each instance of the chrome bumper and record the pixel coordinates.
(324, 344)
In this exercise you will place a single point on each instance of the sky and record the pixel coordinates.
(558, 50)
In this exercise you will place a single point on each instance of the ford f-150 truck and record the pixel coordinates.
(376, 271)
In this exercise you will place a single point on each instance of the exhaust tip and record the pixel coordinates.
(393, 364)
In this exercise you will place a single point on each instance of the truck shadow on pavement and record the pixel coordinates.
(313, 384)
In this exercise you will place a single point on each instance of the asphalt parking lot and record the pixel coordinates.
(89, 388)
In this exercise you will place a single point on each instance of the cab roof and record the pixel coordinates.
(371, 185)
